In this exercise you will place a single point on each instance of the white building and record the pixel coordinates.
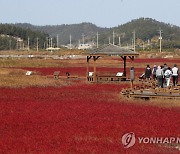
(84, 46)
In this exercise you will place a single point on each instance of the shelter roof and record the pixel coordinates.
(112, 50)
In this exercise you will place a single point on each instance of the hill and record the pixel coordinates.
(11, 34)
(147, 31)
(89, 30)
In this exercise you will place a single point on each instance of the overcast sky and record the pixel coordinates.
(104, 13)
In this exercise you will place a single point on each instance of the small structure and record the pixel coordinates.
(149, 90)
(28, 73)
(56, 74)
(84, 46)
(52, 49)
(109, 50)
(164, 93)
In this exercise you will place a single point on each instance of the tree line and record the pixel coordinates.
(147, 34)
(10, 35)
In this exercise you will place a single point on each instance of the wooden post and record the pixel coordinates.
(87, 69)
(94, 75)
(132, 64)
(124, 58)
(132, 61)
(131, 84)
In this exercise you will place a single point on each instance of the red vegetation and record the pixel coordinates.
(81, 71)
(79, 119)
(157, 60)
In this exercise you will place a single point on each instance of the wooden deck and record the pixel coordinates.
(153, 93)
(106, 78)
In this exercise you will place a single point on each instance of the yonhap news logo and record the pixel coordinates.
(129, 140)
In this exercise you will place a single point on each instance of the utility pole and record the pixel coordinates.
(83, 38)
(51, 44)
(148, 44)
(134, 36)
(57, 43)
(37, 44)
(113, 37)
(109, 40)
(45, 45)
(143, 45)
(132, 44)
(23, 46)
(120, 41)
(49, 40)
(70, 41)
(28, 44)
(160, 39)
(17, 44)
(10, 42)
(97, 40)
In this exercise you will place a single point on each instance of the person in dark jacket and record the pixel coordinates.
(154, 72)
(148, 72)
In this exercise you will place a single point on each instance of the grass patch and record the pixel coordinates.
(16, 78)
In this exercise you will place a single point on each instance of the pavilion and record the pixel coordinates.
(109, 50)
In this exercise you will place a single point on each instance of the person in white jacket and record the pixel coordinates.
(159, 75)
(167, 76)
(175, 74)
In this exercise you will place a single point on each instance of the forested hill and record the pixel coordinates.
(147, 32)
(10, 34)
(145, 29)
(89, 30)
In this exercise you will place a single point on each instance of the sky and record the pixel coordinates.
(103, 13)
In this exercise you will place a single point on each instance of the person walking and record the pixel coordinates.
(164, 68)
(148, 72)
(154, 72)
(167, 76)
(159, 75)
(175, 73)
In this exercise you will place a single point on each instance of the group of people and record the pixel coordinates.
(162, 74)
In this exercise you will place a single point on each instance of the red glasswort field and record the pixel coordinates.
(79, 119)
(83, 118)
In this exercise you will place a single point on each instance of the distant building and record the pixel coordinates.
(52, 49)
(70, 46)
(84, 46)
